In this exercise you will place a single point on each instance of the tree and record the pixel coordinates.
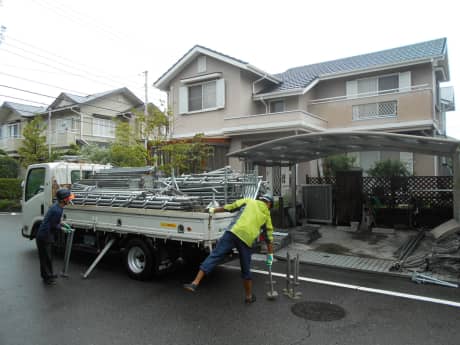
(72, 150)
(96, 154)
(389, 167)
(152, 127)
(185, 156)
(126, 151)
(33, 149)
(335, 163)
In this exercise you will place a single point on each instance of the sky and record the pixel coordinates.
(89, 46)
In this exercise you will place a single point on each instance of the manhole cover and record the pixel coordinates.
(318, 311)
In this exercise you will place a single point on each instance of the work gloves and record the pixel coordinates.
(269, 261)
(66, 228)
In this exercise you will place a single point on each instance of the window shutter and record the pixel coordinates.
(352, 88)
(405, 82)
(183, 99)
(220, 93)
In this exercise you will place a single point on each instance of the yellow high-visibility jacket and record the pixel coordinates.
(253, 215)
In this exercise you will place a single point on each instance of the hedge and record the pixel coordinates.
(10, 189)
(9, 167)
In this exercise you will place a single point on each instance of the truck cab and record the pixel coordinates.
(40, 186)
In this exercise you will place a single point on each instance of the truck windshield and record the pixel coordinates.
(34, 182)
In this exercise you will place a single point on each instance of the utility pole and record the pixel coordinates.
(145, 105)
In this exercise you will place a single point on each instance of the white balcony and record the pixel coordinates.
(296, 120)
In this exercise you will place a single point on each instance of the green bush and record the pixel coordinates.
(9, 167)
(10, 189)
(10, 206)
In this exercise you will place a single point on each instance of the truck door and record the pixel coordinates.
(33, 200)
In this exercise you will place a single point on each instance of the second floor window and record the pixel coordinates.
(209, 95)
(202, 96)
(103, 128)
(382, 84)
(63, 125)
(13, 130)
(277, 106)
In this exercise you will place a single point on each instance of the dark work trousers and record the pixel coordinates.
(45, 253)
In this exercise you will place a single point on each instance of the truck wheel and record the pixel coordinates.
(139, 259)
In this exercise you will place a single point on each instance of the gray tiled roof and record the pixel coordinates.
(301, 77)
(24, 109)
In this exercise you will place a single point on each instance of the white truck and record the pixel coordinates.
(151, 230)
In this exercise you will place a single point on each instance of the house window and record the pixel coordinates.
(277, 106)
(13, 130)
(63, 125)
(201, 97)
(381, 84)
(103, 128)
(375, 110)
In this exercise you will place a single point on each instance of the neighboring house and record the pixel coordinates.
(13, 117)
(229, 100)
(70, 119)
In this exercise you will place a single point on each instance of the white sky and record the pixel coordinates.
(90, 46)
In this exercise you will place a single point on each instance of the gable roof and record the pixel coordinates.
(24, 110)
(302, 77)
(164, 80)
(77, 100)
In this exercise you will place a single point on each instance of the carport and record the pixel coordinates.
(295, 149)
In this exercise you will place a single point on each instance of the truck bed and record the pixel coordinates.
(185, 226)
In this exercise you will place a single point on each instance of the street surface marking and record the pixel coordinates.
(360, 288)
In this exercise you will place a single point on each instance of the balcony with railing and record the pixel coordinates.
(413, 104)
(294, 120)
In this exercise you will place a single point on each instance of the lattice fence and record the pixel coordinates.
(424, 191)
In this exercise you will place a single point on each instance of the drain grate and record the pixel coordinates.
(318, 311)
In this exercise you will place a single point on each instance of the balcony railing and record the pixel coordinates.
(286, 120)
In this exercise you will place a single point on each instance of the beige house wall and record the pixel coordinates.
(238, 99)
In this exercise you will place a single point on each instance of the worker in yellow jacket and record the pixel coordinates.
(253, 217)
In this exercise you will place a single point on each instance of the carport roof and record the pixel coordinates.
(307, 147)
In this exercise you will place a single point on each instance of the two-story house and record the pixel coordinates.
(70, 119)
(235, 103)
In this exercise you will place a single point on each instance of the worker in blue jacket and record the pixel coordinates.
(46, 234)
(253, 216)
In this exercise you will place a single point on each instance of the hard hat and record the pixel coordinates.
(267, 198)
(64, 195)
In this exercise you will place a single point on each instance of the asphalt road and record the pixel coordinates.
(109, 308)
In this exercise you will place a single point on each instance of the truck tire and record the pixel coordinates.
(139, 259)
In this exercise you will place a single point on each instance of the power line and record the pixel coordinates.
(73, 62)
(64, 12)
(54, 86)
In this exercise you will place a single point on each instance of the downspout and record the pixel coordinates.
(254, 91)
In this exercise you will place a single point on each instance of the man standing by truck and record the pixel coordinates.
(253, 216)
(46, 234)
